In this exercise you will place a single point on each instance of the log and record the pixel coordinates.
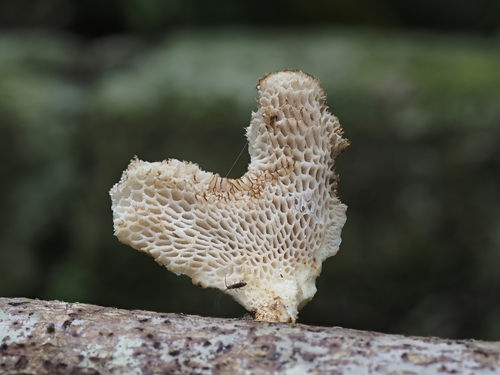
(53, 337)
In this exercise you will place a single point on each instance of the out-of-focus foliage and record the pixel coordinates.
(422, 241)
(96, 18)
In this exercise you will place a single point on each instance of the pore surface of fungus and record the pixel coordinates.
(261, 238)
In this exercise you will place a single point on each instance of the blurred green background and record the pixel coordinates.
(86, 85)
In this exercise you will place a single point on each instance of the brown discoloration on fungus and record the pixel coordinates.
(272, 228)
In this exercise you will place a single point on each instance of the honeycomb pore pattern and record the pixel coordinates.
(263, 237)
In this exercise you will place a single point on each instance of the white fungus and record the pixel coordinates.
(267, 232)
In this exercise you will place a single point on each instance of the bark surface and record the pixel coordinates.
(53, 337)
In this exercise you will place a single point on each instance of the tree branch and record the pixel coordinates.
(52, 337)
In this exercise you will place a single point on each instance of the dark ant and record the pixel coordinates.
(238, 285)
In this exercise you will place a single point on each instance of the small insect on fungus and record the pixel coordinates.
(238, 285)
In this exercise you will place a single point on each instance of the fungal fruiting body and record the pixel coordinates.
(267, 232)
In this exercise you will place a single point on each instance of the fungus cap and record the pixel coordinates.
(269, 230)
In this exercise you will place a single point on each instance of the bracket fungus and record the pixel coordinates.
(265, 234)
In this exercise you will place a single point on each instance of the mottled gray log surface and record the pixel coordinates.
(52, 337)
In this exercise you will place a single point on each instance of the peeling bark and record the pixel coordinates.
(52, 337)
